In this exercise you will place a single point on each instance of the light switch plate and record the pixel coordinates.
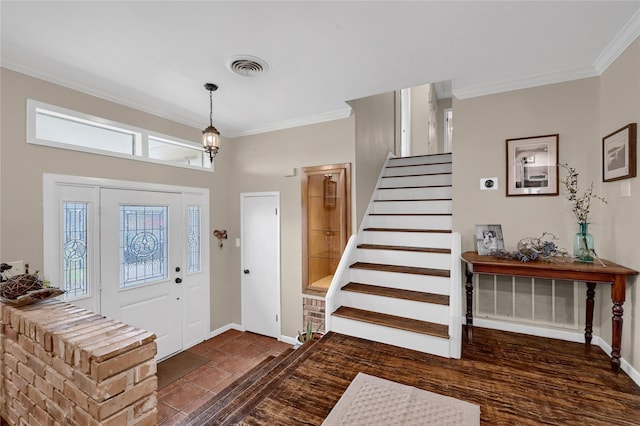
(489, 184)
(625, 189)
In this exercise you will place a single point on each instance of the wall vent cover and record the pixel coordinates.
(248, 66)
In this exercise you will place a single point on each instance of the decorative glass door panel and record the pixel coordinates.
(143, 244)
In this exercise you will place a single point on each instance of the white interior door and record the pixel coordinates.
(261, 263)
(141, 263)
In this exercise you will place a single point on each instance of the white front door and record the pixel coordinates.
(141, 263)
(261, 263)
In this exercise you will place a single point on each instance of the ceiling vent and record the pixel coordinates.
(248, 66)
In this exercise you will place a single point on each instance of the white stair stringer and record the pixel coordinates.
(397, 274)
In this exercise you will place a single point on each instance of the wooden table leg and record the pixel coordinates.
(469, 288)
(588, 330)
(616, 323)
(618, 290)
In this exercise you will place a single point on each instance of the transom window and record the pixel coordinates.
(58, 127)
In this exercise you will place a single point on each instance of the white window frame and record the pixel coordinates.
(141, 136)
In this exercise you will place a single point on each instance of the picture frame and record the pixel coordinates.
(619, 154)
(532, 165)
(489, 239)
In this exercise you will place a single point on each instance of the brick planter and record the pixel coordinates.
(66, 365)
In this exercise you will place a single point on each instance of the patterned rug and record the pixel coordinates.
(371, 400)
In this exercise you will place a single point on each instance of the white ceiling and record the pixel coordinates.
(156, 55)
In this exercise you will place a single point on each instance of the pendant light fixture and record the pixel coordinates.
(210, 135)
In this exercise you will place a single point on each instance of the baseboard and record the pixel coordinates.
(624, 365)
(231, 326)
(566, 335)
(288, 340)
(552, 333)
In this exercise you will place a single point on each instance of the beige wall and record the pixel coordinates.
(581, 112)
(619, 106)
(23, 165)
(374, 140)
(258, 164)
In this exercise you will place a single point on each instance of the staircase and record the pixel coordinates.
(398, 281)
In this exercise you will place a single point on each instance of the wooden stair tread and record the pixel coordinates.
(404, 248)
(410, 214)
(416, 187)
(413, 199)
(417, 175)
(418, 165)
(408, 324)
(401, 269)
(436, 231)
(397, 293)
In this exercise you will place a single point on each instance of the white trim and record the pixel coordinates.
(230, 326)
(141, 136)
(290, 340)
(295, 122)
(524, 83)
(623, 39)
(624, 365)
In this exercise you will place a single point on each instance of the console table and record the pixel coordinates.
(590, 273)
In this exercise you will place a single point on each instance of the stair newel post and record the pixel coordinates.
(469, 289)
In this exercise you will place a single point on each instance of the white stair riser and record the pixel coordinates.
(405, 258)
(427, 159)
(438, 314)
(409, 239)
(412, 207)
(415, 282)
(436, 192)
(425, 180)
(409, 222)
(390, 336)
(422, 169)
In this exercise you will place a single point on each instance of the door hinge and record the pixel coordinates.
(276, 211)
(276, 317)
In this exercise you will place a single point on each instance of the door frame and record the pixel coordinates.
(51, 233)
(277, 243)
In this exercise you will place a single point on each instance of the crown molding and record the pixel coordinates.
(524, 83)
(627, 35)
(91, 91)
(296, 122)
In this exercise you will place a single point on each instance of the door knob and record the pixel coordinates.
(177, 269)
(178, 280)
(246, 271)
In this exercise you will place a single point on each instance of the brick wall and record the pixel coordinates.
(63, 365)
(313, 310)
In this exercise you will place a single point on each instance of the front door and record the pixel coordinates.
(261, 263)
(141, 263)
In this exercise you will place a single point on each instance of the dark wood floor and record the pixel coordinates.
(515, 379)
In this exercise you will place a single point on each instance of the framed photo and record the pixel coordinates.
(489, 239)
(532, 165)
(619, 154)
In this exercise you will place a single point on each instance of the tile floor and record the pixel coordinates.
(231, 354)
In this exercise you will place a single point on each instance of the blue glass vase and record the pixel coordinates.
(583, 244)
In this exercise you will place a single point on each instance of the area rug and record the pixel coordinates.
(171, 369)
(371, 400)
